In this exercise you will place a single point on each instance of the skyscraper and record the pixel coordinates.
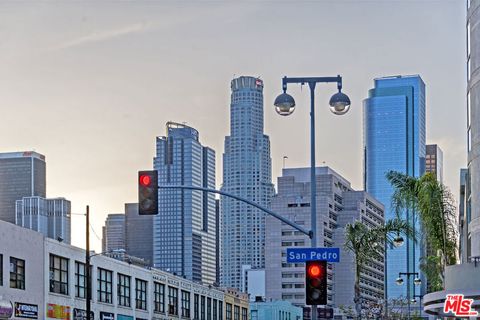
(114, 233)
(247, 173)
(473, 128)
(22, 174)
(337, 205)
(48, 216)
(434, 161)
(138, 233)
(394, 139)
(184, 230)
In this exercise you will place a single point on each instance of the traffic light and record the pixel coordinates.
(148, 192)
(316, 282)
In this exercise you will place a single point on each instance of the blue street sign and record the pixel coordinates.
(309, 254)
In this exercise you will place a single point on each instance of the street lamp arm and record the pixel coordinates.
(303, 80)
(256, 205)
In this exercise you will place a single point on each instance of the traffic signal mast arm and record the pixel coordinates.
(256, 205)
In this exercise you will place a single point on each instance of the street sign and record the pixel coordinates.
(311, 254)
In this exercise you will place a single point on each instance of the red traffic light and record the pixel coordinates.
(148, 192)
(316, 283)
(145, 180)
(314, 270)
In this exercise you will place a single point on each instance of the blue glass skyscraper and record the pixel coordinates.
(394, 139)
(184, 229)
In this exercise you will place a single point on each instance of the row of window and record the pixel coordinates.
(203, 307)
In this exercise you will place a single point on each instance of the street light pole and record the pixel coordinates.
(313, 182)
(285, 105)
(417, 281)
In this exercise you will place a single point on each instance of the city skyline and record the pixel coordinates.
(116, 102)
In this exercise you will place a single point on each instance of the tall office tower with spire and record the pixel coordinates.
(247, 172)
(22, 174)
(394, 139)
(184, 231)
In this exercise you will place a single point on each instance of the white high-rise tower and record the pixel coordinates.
(247, 172)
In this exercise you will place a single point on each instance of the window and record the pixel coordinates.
(104, 285)
(214, 309)
(228, 311)
(196, 308)
(202, 308)
(244, 313)
(58, 274)
(123, 290)
(159, 297)
(172, 301)
(185, 304)
(17, 273)
(220, 310)
(80, 280)
(209, 308)
(140, 294)
(236, 313)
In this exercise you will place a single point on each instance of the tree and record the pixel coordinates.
(368, 244)
(435, 206)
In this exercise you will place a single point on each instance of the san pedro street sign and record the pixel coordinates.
(310, 254)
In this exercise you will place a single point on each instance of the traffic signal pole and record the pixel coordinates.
(253, 204)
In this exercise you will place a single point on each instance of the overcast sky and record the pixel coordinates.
(91, 84)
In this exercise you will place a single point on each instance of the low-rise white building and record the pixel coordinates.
(46, 278)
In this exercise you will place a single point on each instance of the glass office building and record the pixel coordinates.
(184, 230)
(394, 139)
(247, 172)
(22, 174)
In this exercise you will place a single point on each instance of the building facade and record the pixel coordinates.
(138, 234)
(463, 278)
(114, 233)
(394, 139)
(184, 230)
(473, 127)
(253, 281)
(275, 310)
(48, 216)
(337, 205)
(246, 173)
(22, 174)
(46, 280)
(434, 161)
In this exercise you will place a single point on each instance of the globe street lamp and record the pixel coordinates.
(416, 281)
(339, 105)
(398, 241)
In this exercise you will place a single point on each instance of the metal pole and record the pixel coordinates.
(408, 294)
(87, 263)
(256, 205)
(313, 182)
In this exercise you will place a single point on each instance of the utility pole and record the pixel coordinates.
(87, 263)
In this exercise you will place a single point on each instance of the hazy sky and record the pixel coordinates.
(91, 84)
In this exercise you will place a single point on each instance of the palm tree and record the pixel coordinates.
(368, 244)
(435, 206)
